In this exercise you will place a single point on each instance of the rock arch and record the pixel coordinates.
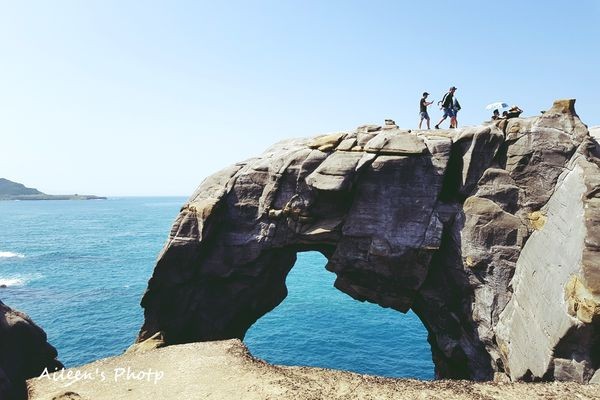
(435, 221)
(318, 325)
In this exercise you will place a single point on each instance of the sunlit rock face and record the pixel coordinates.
(490, 234)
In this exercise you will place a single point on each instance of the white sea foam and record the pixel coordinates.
(15, 280)
(11, 282)
(10, 254)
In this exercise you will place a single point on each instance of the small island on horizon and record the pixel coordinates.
(10, 190)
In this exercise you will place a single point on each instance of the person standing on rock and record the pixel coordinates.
(423, 104)
(447, 105)
(455, 110)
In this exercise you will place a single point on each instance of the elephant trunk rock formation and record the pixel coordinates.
(490, 234)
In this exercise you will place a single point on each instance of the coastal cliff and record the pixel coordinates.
(489, 233)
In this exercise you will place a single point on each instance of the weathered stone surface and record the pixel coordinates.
(330, 140)
(225, 370)
(368, 128)
(24, 352)
(571, 370)
(534, 322)
(336, 172)
(596, 378)
(347, 144)
(154, 342)
(396, 142)
(477, 147)
(440, 149)
(490, 234)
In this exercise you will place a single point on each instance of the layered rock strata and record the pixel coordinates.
(24, 352)
(490, 234)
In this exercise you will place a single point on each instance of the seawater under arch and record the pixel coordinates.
(318, 325)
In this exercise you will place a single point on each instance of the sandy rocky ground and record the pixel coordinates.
(226, 370)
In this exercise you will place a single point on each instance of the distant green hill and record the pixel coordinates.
(10, 190)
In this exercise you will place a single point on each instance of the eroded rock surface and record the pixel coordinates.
(24, 352)
(490, 234)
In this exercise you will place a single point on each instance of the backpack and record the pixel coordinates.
(456, 105)
(441, 102)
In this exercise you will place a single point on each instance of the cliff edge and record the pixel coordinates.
(225, 370)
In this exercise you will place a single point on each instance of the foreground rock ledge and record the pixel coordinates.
(225, 370)
(491, 234)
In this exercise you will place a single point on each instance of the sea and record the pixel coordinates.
(79, 269)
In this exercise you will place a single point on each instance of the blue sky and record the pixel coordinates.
(149, 97)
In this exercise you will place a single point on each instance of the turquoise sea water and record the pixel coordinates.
(79, 269)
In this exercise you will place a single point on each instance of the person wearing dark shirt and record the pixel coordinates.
(423, 104)
(496, 115)
(447, 104)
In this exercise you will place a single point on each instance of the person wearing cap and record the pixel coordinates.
(423, 104)
(447, 104)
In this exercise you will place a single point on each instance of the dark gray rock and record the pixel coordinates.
(572, 370)
(490, 234)
(24, 352)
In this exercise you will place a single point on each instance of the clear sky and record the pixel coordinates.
(150, 97)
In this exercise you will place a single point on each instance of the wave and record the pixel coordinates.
(15, 280)
(11, 282)
(10, 254)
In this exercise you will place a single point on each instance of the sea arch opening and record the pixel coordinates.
(318, 325)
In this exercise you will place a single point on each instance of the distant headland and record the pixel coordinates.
(10, 190)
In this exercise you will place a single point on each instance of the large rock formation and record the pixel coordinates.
(24, 352)
(490, 234)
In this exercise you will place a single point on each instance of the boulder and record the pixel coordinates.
(24, 352)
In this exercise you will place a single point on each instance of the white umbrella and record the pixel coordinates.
(496, 106)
